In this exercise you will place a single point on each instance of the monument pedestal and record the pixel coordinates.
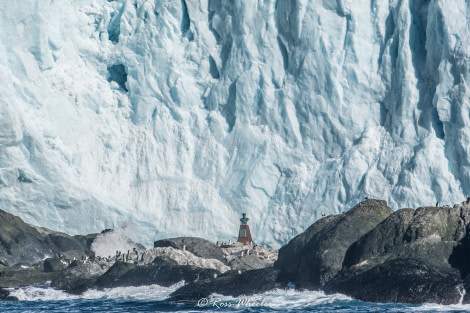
(244, 234)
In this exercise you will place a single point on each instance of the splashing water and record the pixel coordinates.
(120, 239)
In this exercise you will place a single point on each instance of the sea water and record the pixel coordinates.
(154, 299)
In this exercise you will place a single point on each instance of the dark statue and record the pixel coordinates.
(244, 219)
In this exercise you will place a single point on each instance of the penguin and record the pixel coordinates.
(437, 203)
(323, 214)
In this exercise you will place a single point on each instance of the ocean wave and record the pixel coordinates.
(279, 300)
(433, 307)
(141, 293)
(154, 296)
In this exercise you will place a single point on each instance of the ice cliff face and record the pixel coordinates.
(181, 115)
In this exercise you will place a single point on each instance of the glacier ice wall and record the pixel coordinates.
(178, 116)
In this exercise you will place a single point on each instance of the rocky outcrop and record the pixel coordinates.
(197, 246)
(372, 254)
(79, 276)
(241, 256)
(24, 275)
(369, 253)
(248, 262)
(400, 280)
(232, 283)
(380, 240)
(314, 257)
(181, 257)
(24, 243)
(54, 265)
(428, 234)
(163, 272)
(413, 256)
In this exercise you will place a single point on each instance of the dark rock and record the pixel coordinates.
(248, 262)
(115, 275)
(197, 246)
(162, 272)
(17, 276)
(86, 241)
(315, 256)
(77, 279)
(24, 243)
(64, 242)
(53, 265)
(444, 222)
(5, 295)
(381, 239)
(429, 234)
(405, 281)
(466, 286)
(75, 263)
(413, 256)
(12, 298)
(233, 284)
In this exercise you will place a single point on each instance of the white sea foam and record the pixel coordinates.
(433, 307)
(297, 299)
(46, 293)
(151, 292)
(276, 299)
(120, 239)
(32, 293)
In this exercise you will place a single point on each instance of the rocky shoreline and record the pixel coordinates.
(370, 253)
